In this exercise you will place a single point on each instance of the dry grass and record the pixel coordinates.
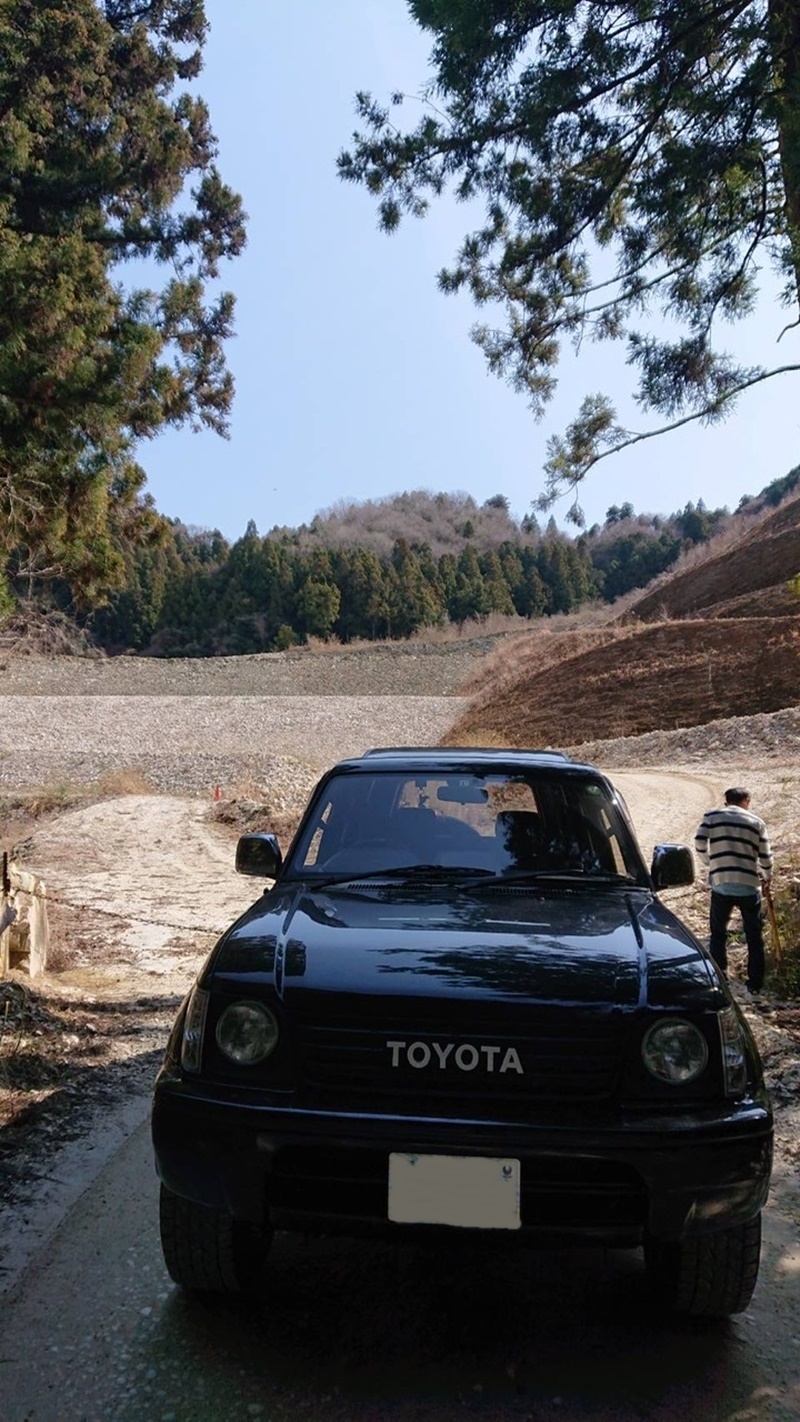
(495, 625)
(787, 912)
(626, 680)
(542, 645)
(742, 572)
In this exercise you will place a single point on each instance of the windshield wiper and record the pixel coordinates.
(421, 873)
(555, 876)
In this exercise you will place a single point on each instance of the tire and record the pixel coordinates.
(708, 1277)
(206, 1251)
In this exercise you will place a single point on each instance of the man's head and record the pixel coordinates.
(737, 796)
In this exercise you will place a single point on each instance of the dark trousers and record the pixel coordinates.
(749, 905)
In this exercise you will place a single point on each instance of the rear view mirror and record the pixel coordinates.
(672, 867)
(258, 855)
(463, 792)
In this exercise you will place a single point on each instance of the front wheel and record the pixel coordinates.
(708, 1277)
(206, 1251)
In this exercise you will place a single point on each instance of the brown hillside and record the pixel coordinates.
(748, 579)
(655, 678)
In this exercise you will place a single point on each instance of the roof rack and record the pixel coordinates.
(497, 752)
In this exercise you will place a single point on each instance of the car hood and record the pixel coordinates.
(605, 947)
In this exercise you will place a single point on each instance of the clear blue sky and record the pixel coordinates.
(355, 378)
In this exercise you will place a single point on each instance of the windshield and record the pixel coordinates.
(494, 823)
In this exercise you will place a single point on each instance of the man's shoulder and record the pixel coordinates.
(739, 816)
(728, 815)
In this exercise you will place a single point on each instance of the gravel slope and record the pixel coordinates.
(375, 669)
(188, 744)
(266, 723)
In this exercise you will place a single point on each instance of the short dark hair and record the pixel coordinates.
(736, 796)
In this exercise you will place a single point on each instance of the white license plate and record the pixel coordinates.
(472, 1192)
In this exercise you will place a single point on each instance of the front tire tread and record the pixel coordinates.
(206, 1250)
(711, 1276)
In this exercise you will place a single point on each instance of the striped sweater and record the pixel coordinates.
(734, 844)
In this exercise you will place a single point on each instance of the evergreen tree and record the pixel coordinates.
(317, 607)
(469, 598)
(414, 603)
(667, 134)
(531, 599)
(103, 158)
(363, 609)
(498, 593)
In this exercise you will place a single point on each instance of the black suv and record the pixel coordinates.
(461, 1005)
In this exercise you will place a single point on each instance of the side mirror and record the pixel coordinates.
(258, 855)
(672, 867)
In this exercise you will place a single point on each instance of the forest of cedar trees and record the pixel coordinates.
(386, 570)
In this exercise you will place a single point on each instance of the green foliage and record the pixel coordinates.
(633, 161)
(97, 146)
(187, 593)
(777, 490)
(7, 601)
(632, 560)
(285, 637)
(317, 607)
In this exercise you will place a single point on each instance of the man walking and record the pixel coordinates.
(734, 845)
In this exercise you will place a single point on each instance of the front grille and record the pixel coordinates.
(351, 1184)
(558, 1057)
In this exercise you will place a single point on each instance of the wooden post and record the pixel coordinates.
(4, 933)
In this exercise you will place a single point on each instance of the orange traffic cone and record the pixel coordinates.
(217, 793)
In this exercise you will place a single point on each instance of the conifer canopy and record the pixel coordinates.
(636, 165)
(106, 156)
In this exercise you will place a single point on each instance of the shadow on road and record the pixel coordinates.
(367, 1331)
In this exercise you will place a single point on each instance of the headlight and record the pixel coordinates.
(734, 1052)
(247, 1032)
(675, 1051)
(193, 1028)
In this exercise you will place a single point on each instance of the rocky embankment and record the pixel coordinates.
(264, 726)
(260, 726)
(744, 739)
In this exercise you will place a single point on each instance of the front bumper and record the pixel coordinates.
(665, 1177)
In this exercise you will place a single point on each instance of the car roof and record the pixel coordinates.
(455, 758)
